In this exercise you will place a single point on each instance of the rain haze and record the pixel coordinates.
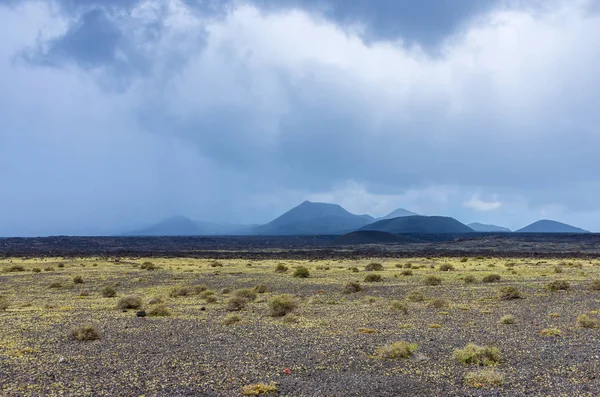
(117, 114)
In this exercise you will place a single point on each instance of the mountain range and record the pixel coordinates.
(310, 218)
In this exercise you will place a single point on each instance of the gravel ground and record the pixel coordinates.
(329, 347)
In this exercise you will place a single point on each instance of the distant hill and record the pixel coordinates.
(548, 226)
(419, 224)
(182, 226)
(480, 227)
(311, 218)
(373, 237)
(400, 212)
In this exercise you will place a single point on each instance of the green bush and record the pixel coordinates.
(373, 278)
(301, 272)
(432, 280)
(396, 350)
(352, 287)
(473, 354)
(129, 302)
(281, 305)
(491, 278)
(558, 285)
(399, 306)
(508, 293)
(374, 267)
(281, 268)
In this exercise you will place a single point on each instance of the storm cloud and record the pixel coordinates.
(116, 114)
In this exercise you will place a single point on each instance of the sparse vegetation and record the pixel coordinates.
(236, 303)
(352, 287)
(159, 310)
(558, 285)
(446, 267)
(373, 278)
(281, 305)
(177, 292)
(109, 292)
(301, 272)
(396, 350)
(586, 321)
(508, 293)
(437, 303)
(484, 378)
(595, 285)
(85, 333)
(374, 267)
(259, 389)
(129, 302)
(248, 294)
(473, 354)
(550, 332)
(415, 296)
(491, 278)
(508, 319)
(232, 319)
(469, 279)
(432, 280)
(281, 268)
(148, 266)
(399, 306)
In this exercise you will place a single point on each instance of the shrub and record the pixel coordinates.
(484, 378)
(469, 279)
(236, 303)
(159, 310)
(84, 292)
(200, 288)
(232, 319)
(36, 270)
(281, 268)
(374, 267)
(207, 294)
(508, 319)
(464, 259)
(281, 305)
(558, 269)
(226, 291)
(586, 321)
(438, 303)
(215, 264)
(477, 355)
(434, 326)
(558, 285)
(446, 267)
(157, 300)
(247, 293)
(550, 332)
(508, 293)
(595, 286)
(398, 265)
(407, 272)
(85, 333)
(3, 305)
(408, 265)
(258, 389)
(432, 280)
(353, 269)
(261, 289)
(148, 266)
(491, 278)
(373, 278)
(396, 350)
(14, 268)
(61, 265)
(179, 291)
(77, 280)
(399, 307)
(49, 269)
(415, 296)
(301, 272)
(129, 302)
(56, 285)
(352, 287)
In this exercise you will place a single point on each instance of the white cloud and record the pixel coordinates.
(478, 204)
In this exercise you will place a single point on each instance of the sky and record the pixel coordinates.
(115, 114)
